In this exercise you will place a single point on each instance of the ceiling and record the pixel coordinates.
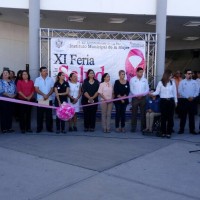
(98, 21)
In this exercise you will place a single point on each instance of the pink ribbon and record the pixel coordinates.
(53, 107)
(26, 102)
(130, 69)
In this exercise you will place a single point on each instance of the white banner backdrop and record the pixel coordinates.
(101, 55)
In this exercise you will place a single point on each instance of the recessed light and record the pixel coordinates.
(192, 23)
(151, 22)
(116, 20)
(27, 15)
(72, 34)
(191, 38)
(76, 18)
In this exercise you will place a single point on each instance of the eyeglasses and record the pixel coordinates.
(189, 73)
(123, 74)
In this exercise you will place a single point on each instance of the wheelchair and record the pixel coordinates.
(157, 126)
(156, 129)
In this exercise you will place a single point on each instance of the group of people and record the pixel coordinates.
(160, 102)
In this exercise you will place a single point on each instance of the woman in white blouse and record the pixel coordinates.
(166, 88)
(74, 97)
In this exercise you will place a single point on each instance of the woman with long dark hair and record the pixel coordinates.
(121, 89)
(106, 93)
(166, 88)
(90, 95)
(25, 89)
(61, 88)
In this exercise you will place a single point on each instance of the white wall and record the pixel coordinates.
(103, 6)
(183, 8)
(14, 3)
(13, 46)
(146, 7)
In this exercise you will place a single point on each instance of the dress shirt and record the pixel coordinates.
(106, 89)
(139, 86)
(44, 86)
(168, 91)
(188, 88)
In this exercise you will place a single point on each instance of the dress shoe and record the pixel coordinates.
(168, 136)
(50, 130)
(23, 131)
(4, 131)
(10, 131)
(29, 131)
(118, 130)
(145, 130)
(64, 132)
(180, 132)
(58, 131)
(70, 129)
(75, 128)
(193, 132)
(123, 130)
(38, 131)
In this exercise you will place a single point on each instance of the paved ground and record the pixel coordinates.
(98, 166)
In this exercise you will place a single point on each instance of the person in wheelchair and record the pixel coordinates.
(152, 111)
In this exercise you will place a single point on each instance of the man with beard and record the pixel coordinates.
(188, 90)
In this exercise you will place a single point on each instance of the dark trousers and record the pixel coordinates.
(187, 108)
(138, 103)
(25, 117)
(120, 114)
(167, 107)
(60, 124)
(90, 116)
(6, 109)
(48, 116)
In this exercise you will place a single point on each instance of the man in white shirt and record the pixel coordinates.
(44, 89)
(140, 88)
(188, 90)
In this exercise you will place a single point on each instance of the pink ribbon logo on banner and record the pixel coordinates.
(130, 69)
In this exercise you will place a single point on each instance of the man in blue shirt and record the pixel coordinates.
(188, 90)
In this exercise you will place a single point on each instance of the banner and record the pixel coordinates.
(101, 55)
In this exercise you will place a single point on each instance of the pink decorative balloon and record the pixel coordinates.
(65, 112)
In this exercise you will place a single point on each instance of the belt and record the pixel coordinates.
(168, 99)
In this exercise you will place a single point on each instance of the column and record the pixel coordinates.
(161, 18)
(34, 26)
